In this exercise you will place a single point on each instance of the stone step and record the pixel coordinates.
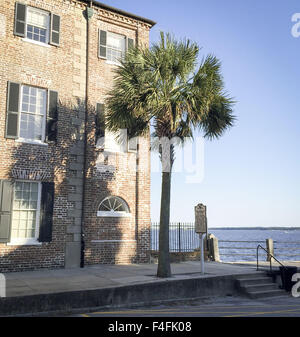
(254, 281)
(266, 293)
(261, 287)
(252, 275)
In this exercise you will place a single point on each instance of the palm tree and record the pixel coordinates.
(161, 87)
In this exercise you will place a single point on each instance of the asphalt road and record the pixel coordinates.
(220, 307)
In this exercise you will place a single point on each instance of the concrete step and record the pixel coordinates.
(254, 281)
(252, 275)
(261, 287)
(266, 293)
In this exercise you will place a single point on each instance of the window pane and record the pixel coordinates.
(113, 204)
(37, 18)
(24, 221)
(115, 47)
(26, 90)
(34, 102)
(37, 25)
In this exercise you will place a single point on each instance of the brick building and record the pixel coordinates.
(67, 197)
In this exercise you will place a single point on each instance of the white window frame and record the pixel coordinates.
(123, 51)
(136, 139)
(32, 141)
(40, 11)
(29, 241)
(114, 214)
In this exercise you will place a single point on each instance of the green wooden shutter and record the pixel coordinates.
(6, 193)
(100, 123)
(46, 216)
(55, 30)
(20, 19)
(102, 44)
(52, 116)
(12, 116)
(130, 43)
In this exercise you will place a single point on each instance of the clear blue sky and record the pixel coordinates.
(252, 174)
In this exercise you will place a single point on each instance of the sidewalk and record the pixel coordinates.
(104, 276)
(115, 286)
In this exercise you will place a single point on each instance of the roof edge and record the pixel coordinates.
(120, 11)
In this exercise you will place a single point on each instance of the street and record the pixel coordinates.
(214, 307)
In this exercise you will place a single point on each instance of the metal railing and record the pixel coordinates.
(245, 250)
(184, 239)
(270, 256)
(182, 236)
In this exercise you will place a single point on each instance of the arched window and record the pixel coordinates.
(113, 207)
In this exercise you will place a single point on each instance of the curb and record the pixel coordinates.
(116, 297)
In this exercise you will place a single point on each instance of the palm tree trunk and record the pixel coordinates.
(164, 268)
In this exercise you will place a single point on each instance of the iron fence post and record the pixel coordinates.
(179, 237)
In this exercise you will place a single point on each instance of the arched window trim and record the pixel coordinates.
(114, 213)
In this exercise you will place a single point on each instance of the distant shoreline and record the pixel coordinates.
(255, 228)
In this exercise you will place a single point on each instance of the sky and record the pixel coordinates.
(252, 174)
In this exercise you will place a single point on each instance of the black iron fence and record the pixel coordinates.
(183, 238)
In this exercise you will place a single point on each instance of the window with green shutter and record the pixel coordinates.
(37, 25)
(26, 212)
(32, 113)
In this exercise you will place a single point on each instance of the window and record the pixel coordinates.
(113, 207)
(115, 47)
(37, 25)
(33, 113)
(112, 141)
(26, 209)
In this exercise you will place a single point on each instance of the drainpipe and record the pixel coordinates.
(88, 15)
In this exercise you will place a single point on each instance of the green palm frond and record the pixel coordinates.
(160, 85)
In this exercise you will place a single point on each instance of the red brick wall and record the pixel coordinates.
(63, 69)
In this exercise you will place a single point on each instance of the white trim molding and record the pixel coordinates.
(24, 242)
(114, 214)
(112, 241)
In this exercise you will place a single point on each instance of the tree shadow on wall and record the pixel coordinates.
(62, 162)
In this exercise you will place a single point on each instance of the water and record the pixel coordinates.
(286, 242)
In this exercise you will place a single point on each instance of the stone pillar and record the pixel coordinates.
(76, 164)
(213, 245)
(270, 249)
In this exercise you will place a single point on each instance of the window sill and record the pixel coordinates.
(113, 63)
(102, 148)
(42, 44)
(113, 215)
(32, 142)
(112, 241)
(22, 242)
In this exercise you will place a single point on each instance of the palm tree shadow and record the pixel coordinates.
(106, 240)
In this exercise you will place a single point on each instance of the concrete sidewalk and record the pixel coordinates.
(104, 276)
(105, 286)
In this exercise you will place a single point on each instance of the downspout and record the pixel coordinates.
(88, 15)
